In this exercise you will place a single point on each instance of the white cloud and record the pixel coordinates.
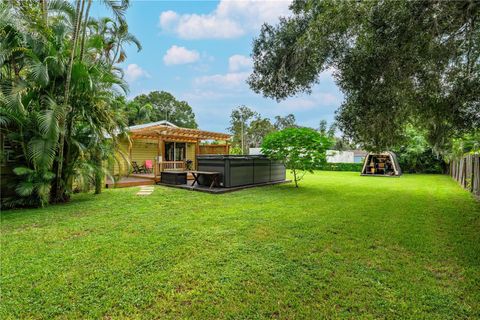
(134, 71)
(308, 102)
(167, 19)
(180, 55)
(233, 80)
(194, 26)
(230, 19)
(238, 62)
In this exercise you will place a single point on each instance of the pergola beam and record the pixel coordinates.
(166, 131)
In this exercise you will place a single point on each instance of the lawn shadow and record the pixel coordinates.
(84, 198)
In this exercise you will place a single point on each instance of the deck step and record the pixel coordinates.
(130, 183)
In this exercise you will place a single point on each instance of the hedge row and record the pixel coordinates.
(357, 167)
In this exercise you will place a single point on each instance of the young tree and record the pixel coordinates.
(300, 149)
(397, 62)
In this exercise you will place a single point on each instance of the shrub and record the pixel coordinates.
(356, 167)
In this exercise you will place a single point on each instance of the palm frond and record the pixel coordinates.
(62, 7)
(38, 72)
(21, 171)
(131, 39)
(118, 7)
(48, 119)
(25, 188)
(41, 152)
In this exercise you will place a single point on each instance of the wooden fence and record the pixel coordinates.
(466, 171)
(214, 149)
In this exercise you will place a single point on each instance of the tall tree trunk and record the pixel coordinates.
(60, 186)
(84, 31)
(98, 173)
(43, 8)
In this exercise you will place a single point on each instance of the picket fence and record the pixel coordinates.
(466, 171)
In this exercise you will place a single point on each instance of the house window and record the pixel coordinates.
(175, 151)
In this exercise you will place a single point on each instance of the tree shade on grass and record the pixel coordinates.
(340, 246)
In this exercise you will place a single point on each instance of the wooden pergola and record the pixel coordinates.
(165, 132)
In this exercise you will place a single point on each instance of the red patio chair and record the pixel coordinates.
(149, 166)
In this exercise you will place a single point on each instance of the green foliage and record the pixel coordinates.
(285, 122)
(300, 149)
(59, 93)
(160, 105)
(235, 150)
(416, 156)
(32, 188)
(258, 130)
(249, 128)
(467, 144)
(356, 167)
(240, 119)
(397, 63)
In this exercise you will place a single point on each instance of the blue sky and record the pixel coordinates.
(200, 52)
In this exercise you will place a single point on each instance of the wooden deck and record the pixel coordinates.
(129, 182)
(149, 176)
(137, 179)
(153, 177)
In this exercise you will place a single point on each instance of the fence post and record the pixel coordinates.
(466, 171)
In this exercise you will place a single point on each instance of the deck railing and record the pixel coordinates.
(171, 165)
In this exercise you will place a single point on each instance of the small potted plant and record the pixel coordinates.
(188, 165)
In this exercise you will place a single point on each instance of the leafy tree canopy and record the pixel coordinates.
(240, 119)
(288, 121)
(160, 105)
(249, 128)
(397, 62)
(258, 130)
(300, 149)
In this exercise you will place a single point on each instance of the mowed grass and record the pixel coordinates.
(339, 246)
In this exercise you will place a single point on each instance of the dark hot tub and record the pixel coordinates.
(241, 170)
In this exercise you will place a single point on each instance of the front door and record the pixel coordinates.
(175, 151)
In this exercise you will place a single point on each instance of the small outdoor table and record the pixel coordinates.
(214, 176)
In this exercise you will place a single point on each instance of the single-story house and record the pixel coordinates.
(166, 147)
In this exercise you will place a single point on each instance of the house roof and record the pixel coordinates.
(152, 124)
(359, 153)
(168, 131)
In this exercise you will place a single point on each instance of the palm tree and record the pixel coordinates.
(54, 117)
(122, 37)
(59, 194)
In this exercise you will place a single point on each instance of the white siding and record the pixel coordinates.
(335, 156)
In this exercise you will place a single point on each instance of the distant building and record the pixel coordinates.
(254, 151)
(348, 156)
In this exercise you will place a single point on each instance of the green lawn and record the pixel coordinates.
(340, 246)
